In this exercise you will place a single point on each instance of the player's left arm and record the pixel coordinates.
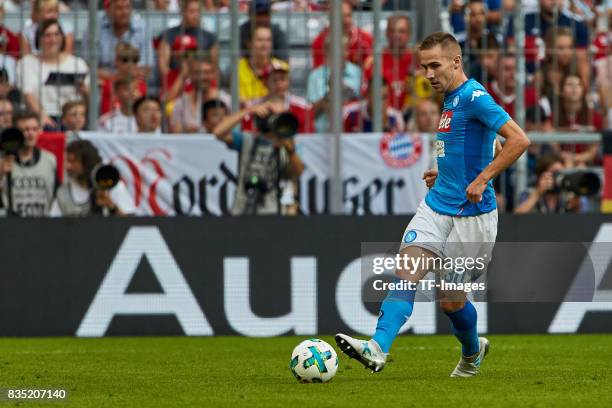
(482, 107)
(516, 143)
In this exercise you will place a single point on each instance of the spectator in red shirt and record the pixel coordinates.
(172, 45)
(278, 88)
(359, 42)
(503, 91)
(575, 115)
(121, 118)
(603, 40)
(8, 40)
(560, 61)
(126, 62)
(574, 112)
(396, 60)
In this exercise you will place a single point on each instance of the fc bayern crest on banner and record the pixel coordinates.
(400, 149)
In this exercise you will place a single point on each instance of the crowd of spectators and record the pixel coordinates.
(173, 82)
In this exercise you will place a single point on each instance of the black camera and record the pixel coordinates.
(579, 182)
(104, 177)
(11, 141)
(284, 125)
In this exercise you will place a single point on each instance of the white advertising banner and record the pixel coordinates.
(196, 175)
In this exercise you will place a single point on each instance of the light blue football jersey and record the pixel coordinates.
(464, 146)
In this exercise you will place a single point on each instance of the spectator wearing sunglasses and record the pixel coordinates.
(126, 61)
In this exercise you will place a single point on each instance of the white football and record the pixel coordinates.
(313, 361)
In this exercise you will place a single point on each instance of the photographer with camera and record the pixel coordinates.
(28, 174)
(268, 157)
(558, 189)
(90, 187)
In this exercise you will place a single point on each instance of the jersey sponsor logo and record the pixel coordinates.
(400, 149)
(477, 94)
(445, 122)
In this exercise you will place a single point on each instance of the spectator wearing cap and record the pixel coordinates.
(126, 61)
(261, 15)
(44, 10)
(9, 41)
(253, 71)
(187, 36)
(358, 116)
(397, 65)
(317, 88)
(357, 41)
(148, 113)
(53, 77)
(185, 47)
(278, 87)
(121, 118)
(118, 24)
(187, 108)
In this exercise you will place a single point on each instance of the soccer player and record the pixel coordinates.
(460, 207)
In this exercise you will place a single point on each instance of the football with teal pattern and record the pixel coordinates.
(313, 360)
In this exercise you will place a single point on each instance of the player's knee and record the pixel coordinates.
(413, 262)
(450, 307)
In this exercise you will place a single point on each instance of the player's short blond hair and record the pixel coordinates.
(444, 40)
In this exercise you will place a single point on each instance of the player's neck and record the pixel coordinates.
(460, 80)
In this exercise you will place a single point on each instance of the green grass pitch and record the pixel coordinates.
(520, 371)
